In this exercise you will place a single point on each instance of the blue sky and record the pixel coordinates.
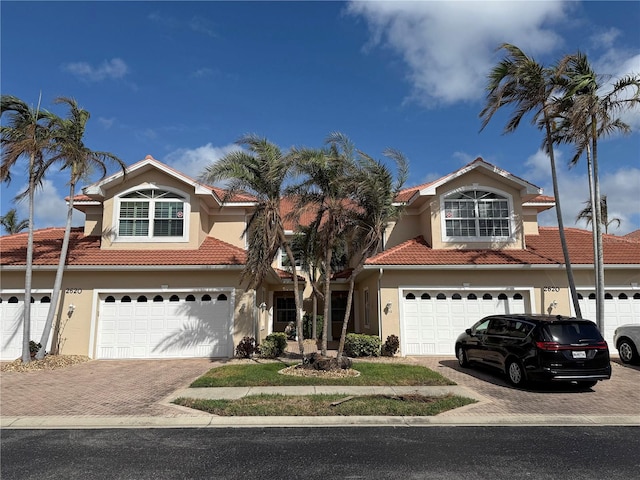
(182, 81)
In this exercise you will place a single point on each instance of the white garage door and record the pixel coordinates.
(164, 325)
(620, 308)
(11, 316)
(432, 320)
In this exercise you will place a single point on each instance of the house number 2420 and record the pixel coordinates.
(73, 290)
(551, 289)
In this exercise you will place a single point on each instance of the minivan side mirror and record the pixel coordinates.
(468, 331)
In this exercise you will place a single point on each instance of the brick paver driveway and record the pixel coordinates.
(618, 396)
(138, 387)
(100, 388)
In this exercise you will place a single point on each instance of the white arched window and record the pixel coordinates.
(477, 215)
(152, 213)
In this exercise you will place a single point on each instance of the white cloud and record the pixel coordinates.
(50, 207)
(115, 68)
(620, 64)
(621, 188)
(192, 162)
(449, 47)
(106, 123)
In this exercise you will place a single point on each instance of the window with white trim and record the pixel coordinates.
(152, 213)
(477, 215)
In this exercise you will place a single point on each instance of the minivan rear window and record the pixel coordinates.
(574, 332)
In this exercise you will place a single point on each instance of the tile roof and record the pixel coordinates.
(633, 236)
(85, 251)
(541, 249)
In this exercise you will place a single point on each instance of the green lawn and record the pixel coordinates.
(320, 405)
(371, 374)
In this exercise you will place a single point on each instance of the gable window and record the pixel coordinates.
(152, 213)
(477, 214)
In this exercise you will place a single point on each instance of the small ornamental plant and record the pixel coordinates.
(34, 348)
(246, 347)
(391, 345)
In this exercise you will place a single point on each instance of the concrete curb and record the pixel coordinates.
(210, 421)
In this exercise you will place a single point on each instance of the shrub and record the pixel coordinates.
(246, 348)
(34, 348)
(273, 345)
(359, 345)
(392, 345)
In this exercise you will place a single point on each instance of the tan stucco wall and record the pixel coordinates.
(229, 227)
(80, 288)
(549, 287)
(477, 179)
(151, 179)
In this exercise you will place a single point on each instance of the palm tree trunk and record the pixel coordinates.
(57, 284)
(327, 300)
(345, 321)
(28, 276)
(594, 220)
(563, 239)
(599, 251)
(296, 293)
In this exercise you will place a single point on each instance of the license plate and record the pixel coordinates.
(579, 354)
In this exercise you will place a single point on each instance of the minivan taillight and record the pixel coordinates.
(548, 346)
(555, 346)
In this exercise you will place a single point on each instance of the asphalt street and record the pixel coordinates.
(497, 453)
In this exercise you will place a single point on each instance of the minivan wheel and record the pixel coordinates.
(627, 351)
(462, 357)
(515, 373)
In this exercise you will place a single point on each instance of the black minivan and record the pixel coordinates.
(537, 348)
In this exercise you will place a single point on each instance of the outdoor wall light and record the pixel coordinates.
(387, 308)
(553, 305)
(71, 309)
(263, 306)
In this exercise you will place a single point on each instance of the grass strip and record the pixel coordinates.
(320, 405)
(371, 374)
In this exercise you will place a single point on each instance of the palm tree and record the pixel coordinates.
(326, 176)
(519, 81)
(67, 137)
(261, 169)
(374, 196)
(587, 214)
(589, 113)
(11, 224)
(25, 135)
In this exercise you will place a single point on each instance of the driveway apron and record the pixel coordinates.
(100, 388)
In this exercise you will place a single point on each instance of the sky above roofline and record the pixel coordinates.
(182, 81)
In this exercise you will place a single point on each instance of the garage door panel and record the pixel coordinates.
(11, 323)
(623, 308)
(165, 328)
(431, 324)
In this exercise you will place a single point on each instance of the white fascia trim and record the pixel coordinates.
(494, 267)
(528, 188)
(128, 267)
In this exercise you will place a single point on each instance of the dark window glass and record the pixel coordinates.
(425, 296)
(410, 296)
(126, 299)
(174, 298)
(441, 296)
(110, 299)
(158, 298)
(190, 298)
(142, 299)
(222, 297)
(456, 296)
